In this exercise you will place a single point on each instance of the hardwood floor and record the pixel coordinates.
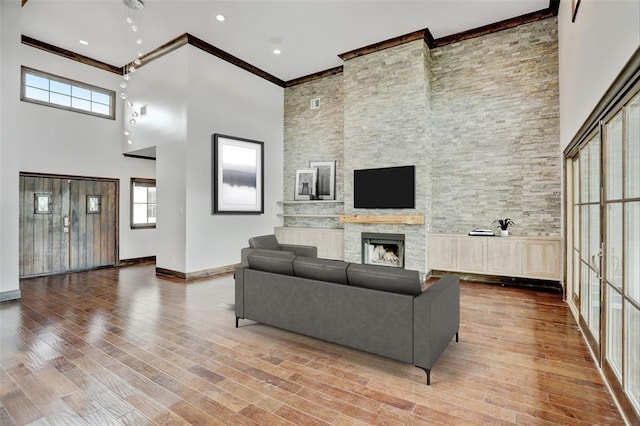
(122, 346)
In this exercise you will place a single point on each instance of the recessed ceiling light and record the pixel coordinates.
(276, 51)
(220, 18)
(83, 42)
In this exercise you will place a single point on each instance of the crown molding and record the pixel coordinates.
(211, 49)
(314, 76)
(496, 27)
(375, 47)
(187, 38)
(161, 51)
(29, 41)
(434, 43)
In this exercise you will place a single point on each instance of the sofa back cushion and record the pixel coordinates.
(334, 271)
(384, 278)
(276, 261)
(266, 242)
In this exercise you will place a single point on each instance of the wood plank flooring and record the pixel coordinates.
(122, 346)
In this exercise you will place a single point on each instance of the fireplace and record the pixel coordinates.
(383, 249)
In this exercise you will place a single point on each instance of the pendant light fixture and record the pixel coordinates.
(132, 7)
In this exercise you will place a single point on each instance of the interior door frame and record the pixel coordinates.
(116, 182)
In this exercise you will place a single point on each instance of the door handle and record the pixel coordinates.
(65, 224)
(597, 266)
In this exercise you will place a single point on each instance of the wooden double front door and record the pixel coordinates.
(67, 223)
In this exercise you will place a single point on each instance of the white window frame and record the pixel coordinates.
(141, 182)
(111, 95)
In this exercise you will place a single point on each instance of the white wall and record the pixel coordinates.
(225, 99)
(41, 139)
(8, 156)
(191, 95)
(171, 182)
(592, 51)
(162, 86)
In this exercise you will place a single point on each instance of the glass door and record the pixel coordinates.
(622, 242)
(602, 190)
(589, 274)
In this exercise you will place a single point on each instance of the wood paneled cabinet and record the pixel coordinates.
(527, 257)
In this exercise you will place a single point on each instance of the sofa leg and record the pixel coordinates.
(457, 337)
(428, 371)
(237, 319)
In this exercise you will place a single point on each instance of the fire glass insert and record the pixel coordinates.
(383, 249)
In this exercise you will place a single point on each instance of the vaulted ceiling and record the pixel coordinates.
(309, 33)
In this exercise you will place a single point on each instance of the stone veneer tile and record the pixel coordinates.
(386, 111)
(478, 118)
(495, 106)
(313, 135)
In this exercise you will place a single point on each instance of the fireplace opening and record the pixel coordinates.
(383, 249)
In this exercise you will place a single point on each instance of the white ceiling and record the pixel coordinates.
(310, 33)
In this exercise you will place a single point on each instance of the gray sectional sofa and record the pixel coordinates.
(376, 309)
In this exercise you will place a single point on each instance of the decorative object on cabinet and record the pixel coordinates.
(326, 181)
(504, 224)
(238, 175)
(475, 232)
(305, 188)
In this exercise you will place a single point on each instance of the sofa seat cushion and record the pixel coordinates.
(267, 242)
(384, 278)
(334, 271)
(275, 261)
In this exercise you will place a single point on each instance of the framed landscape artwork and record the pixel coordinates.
(238, 175)
(326, 187)
(305, 184)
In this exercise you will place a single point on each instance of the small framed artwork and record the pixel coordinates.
(42, 203)
(93, 204)
(326, 186)
(238, 175)
(305, 184)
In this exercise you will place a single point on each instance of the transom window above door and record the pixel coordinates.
(51, 90)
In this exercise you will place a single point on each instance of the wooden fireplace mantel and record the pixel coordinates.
(390, 218)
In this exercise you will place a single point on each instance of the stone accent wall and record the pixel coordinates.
(313, 134)
(495, 106)
(479, 119)
(385, 124)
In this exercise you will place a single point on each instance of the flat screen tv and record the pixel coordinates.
(385, 188)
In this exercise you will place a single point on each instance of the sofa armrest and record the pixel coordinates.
(436, 320)
(243, 255)
(247, 251)
(300, 250)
